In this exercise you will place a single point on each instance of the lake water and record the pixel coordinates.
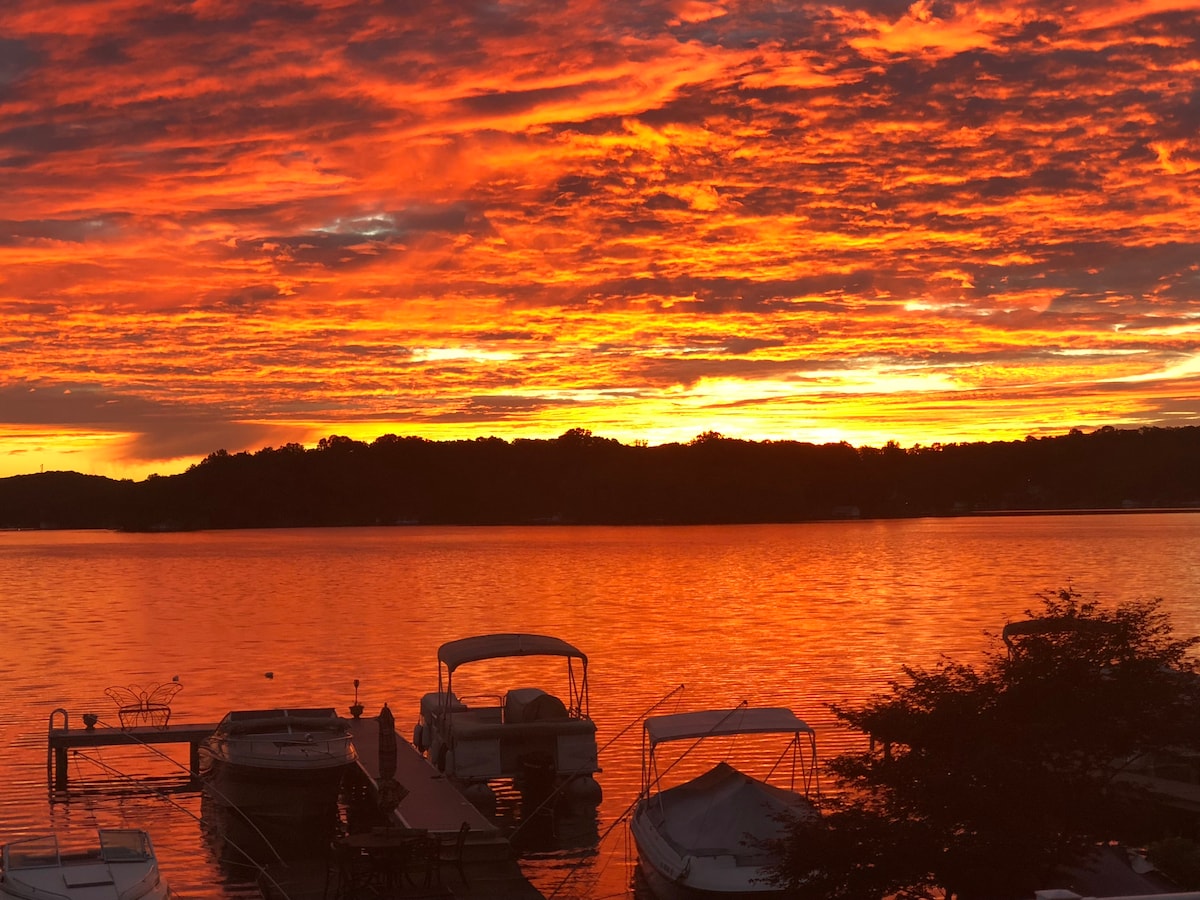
(795, 615)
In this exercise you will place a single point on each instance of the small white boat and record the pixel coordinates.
(525, 734)
(703, 837)
(122, 867)
(283, 761)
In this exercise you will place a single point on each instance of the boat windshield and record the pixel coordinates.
(124, 845)
(32, 853)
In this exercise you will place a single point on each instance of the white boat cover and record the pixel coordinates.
(717, 722)
(723, 812)
(494, 646)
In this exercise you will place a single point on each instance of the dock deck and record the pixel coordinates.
(60, 740)
(433, 802)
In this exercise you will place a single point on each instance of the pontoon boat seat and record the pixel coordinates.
(524, 705)
(435, 702)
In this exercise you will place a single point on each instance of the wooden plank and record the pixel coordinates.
(436, 805)
(433, 802)
(60, 740)
(141, 734)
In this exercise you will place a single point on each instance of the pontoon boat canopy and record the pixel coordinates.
(715, 722)
(494, 646)
(1053, 625)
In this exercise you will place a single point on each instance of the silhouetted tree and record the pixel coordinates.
(980, 781)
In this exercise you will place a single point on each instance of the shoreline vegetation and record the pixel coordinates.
(579, 478)
(1066, 752)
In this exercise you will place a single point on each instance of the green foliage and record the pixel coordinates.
(980, 781)
(1178, 858)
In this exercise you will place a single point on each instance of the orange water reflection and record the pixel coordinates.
(790, 615)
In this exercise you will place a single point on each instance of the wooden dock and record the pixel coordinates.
(64, 739)
(432, 802)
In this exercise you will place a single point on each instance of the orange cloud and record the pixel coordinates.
(229, 226)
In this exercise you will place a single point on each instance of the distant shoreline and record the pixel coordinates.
(579, 479)
(1103, 511)
(975, 514)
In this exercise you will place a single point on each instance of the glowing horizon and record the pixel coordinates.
(228, 227)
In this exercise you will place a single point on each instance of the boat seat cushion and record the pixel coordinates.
(524, 705)
(435, 702)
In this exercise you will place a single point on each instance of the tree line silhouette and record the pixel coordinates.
(581, 478)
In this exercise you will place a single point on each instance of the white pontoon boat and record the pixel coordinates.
(523, 733)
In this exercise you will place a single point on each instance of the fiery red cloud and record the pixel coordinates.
(232, 225)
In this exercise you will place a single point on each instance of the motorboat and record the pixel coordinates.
(285, 761)
(705, 836)
(543, 742)
(121, 867)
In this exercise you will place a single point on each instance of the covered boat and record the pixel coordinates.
(526, 734)
(705, 837)
(289, 761)
(122, 867)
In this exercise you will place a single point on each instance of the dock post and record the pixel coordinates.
(62, 739)
(60, 768)
(57, 752)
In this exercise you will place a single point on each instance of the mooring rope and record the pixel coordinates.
(162, 796)
(577, 866)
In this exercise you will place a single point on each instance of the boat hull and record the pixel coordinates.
(286, 793)
(671, 875)
(662, 889)
(145, 885)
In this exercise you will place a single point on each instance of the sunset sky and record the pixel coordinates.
(232, 224)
